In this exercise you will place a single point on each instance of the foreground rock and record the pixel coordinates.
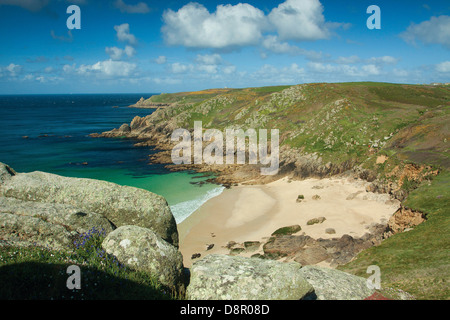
(45, 224)
(144, 250)
(331, 284)
(222, 277)
(121, 205)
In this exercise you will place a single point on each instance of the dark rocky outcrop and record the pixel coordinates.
(309, 251)
(125, 128)
(286, 245)
(311, 255)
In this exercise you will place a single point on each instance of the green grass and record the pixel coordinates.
(36, 273)
(416, 261)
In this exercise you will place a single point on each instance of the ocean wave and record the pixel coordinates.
(183, 210)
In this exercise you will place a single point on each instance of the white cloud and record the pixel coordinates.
(228, 26)
(46, 79)
(124, 35)
(112, 68)
(269, 74)
(209, 59)
(69, 68)
(400, 73)
(270, 70)
(180, 68)
(436, 31)
(129, 51)
(161, 60)
(167, 81)
(348, 60)
(273, 44)
(232, 26)
(322, 68)
(443, 67)
(378, 61)
(114, 53)
(69, 37)
(299, 20)
(371, 69)
(31, 5)
(208, 68)
(117, 53)
(229, 69)
(360, 71)
(103, 69)
(141, 7)
(343, 69)
(383, 60)
(13, 69)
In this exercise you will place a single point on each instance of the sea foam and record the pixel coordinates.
(184, 209)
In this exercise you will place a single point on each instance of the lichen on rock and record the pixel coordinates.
(144, 250)
(122, 205)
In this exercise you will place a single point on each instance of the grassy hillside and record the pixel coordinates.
(416, 261)
(337, 121)
(407, 125)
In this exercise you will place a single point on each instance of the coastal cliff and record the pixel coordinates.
(393, 136)
(377, 130)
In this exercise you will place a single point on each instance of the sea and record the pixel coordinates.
(50, 133)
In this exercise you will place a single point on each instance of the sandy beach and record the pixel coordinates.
(254, 212)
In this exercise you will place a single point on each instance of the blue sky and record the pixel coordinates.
(129, 46)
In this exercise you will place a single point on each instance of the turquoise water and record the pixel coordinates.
(51, 133)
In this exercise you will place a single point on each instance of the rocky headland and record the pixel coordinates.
(321, 133)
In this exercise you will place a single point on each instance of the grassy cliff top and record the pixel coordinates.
(338, 121)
